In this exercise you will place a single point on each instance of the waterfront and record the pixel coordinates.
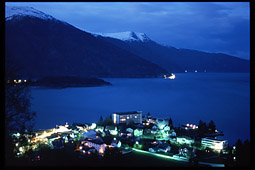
(221, 97)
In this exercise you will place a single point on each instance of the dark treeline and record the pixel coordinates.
(243, 153)
(205, 128)
(107, 121)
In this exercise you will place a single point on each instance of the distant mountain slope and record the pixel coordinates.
(41, 45)
(178, 60)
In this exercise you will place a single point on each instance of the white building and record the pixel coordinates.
(161, 123)
(184, 140)
(97, 143)
(138, 132)
(215, 144)
(126, 117)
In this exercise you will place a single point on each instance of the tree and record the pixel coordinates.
(108, 121)
(170, 123)
(100, 122)
(202, 128)
(211, 126)
(200, 124)
(18, 116)
(243, 153)
(149, 114)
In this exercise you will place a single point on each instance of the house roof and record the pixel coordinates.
(213, 139)
(110, 127)
(95, 140)
(90, 134)
(128, 113)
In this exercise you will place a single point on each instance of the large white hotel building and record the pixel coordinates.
(126, 117)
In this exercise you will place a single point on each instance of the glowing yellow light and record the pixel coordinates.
(101, 150)
(66, 125)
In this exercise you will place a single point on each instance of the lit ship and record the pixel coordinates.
(172, 76)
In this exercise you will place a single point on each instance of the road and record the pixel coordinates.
(177, 158)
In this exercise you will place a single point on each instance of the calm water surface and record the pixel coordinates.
(221, 97)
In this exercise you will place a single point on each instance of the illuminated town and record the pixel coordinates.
(98, 84)
(125, 133)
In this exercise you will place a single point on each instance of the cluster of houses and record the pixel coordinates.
(128, 128)
(133, 126)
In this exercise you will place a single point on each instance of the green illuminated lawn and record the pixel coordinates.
(144, 159)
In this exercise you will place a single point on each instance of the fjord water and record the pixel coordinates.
(221, 97)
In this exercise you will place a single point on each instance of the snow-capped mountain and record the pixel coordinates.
(11, 11)
(40, 45)
(126, 36)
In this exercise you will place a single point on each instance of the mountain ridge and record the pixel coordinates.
(46, 46)
(53, 48)
(182, 60)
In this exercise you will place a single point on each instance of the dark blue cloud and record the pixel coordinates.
(213, 27)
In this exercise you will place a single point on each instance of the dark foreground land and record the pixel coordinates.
(68, 158)
(59, 158)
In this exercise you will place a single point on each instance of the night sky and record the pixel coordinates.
(207, 26)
